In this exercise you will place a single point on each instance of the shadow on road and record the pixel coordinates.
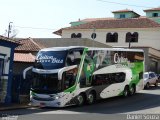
(153, 87)
(146, 99)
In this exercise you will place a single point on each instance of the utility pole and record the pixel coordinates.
(93, 36)
(9, 28)
(130, 39)
(129, 44)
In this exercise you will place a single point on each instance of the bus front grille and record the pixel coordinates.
(42, 99)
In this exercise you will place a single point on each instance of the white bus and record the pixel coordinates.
(64, 76)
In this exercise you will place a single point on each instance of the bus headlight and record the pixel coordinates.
(57, 97)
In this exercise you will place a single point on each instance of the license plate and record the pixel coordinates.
(42, 105)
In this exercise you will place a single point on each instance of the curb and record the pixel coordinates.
(14, 107)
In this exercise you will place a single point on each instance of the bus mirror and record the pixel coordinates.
(25, 71)
(61, 71)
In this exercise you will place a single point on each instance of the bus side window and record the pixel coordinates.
(118, 77)
(77, 57)
(74, 58)
(69, 80)
(101, 79)
(70, 59)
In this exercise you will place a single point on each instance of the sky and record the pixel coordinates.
(39, 18)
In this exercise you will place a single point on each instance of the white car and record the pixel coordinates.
(150, 78)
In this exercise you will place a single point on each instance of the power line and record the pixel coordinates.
(124, 4)
(35, 28)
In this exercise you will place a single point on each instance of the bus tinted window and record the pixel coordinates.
(74, 57)
(106, 79)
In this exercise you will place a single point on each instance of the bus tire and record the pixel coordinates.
(132, 90)
(80, 99)
(91, 98)
(126, 91)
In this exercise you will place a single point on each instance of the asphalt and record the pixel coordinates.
(13, 106)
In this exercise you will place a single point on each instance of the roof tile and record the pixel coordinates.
(28, 45)
(8, 39)
(22, 57)
(153, 9)
(118, 23)
(125, 10)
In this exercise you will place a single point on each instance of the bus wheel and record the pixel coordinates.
(91, 98)
(126, 92)
(81, 99)
(132, 90)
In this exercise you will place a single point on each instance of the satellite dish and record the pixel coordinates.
(13, 33)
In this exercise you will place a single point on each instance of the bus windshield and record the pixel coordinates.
(50, 59)
(49, 83)
(46, 83)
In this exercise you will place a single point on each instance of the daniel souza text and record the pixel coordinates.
(143, 117)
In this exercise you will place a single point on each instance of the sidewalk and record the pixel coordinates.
(13, 106)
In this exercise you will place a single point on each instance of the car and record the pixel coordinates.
(158, 75)
(150, 78)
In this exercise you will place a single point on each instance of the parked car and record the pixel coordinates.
(158, 75)
(150, 78)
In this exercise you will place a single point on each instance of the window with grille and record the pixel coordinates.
(73, 35)
(112, 37)
(132, 37)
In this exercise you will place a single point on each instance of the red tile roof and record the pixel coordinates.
(8, 39)
(58, 32)
(125, 10)
(153, 9)
(141, 22)
(22, 57)
(118, 23)
(28, 45)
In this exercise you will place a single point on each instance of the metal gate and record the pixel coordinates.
(20, 87)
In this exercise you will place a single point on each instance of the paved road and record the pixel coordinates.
(146, 101)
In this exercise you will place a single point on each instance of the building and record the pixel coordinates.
(24, 55)
(126, 29)
(7, 47)
(153, 14)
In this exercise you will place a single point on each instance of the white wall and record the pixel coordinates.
(127, 15)
(147, 36)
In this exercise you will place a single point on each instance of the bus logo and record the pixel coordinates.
(49, 59)
(120, 59)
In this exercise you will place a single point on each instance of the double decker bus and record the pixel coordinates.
(75, 75)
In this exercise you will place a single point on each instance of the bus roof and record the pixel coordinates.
(61, 48)
(116, 49)
(90, 48)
